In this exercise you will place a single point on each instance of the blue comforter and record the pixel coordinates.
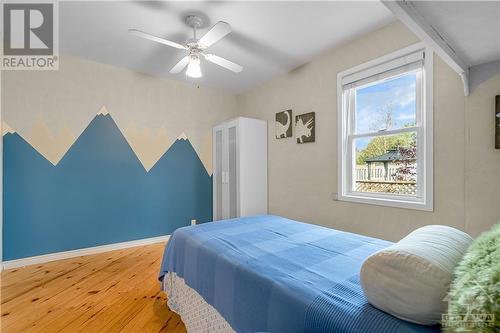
(271, 274)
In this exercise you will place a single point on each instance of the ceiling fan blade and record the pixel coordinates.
(180, 65)
(145, 35)
(224, 63)
(217, 32)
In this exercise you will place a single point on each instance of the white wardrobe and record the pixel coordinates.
(239, 168)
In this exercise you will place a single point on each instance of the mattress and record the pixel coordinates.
(271, 274)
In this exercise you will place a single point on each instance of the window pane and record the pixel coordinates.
(386, 164)
(387, 104)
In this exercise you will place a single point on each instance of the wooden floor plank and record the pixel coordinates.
(101, 288)
(146, 319)
(114, 299)
(51, 297)
(37, 278)
(116, 291)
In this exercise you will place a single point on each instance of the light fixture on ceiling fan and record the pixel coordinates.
(196, 47)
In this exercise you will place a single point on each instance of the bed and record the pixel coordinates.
(272, 274)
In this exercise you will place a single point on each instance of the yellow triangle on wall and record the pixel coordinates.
(6, 129)
(103, 111)
(147, 146)
(51, 145)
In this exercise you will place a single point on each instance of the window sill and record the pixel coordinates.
(387, 201)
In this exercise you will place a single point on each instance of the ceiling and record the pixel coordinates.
(471, 28)
(268, 38)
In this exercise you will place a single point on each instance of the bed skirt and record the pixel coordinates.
(197, 315)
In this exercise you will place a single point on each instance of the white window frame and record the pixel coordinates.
(424, 128)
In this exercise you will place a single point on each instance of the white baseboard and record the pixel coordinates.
(81, 252)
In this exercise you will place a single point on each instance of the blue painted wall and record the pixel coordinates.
(99, 193)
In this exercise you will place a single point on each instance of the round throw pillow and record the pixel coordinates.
(410, 279)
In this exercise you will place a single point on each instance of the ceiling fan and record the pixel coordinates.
(196, 47)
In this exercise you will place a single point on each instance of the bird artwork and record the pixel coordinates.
(305, 127)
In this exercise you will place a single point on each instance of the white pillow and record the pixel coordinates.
(411, 278)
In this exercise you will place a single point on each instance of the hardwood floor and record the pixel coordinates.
(115, 291)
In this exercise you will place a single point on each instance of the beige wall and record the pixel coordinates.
(303, 178)
(482, 164)
(50, 109)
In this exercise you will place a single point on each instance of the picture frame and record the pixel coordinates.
(283, 124)
(305, 127)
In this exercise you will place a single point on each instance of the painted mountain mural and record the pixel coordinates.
(99, 193)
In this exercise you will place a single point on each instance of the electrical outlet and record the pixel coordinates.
(193, 222)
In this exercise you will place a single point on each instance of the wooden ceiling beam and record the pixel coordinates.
(406, 12)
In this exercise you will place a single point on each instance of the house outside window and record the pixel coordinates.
(385, 130)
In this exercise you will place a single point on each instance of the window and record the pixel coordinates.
(385, 130)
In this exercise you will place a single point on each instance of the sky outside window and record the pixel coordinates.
(389, 104)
